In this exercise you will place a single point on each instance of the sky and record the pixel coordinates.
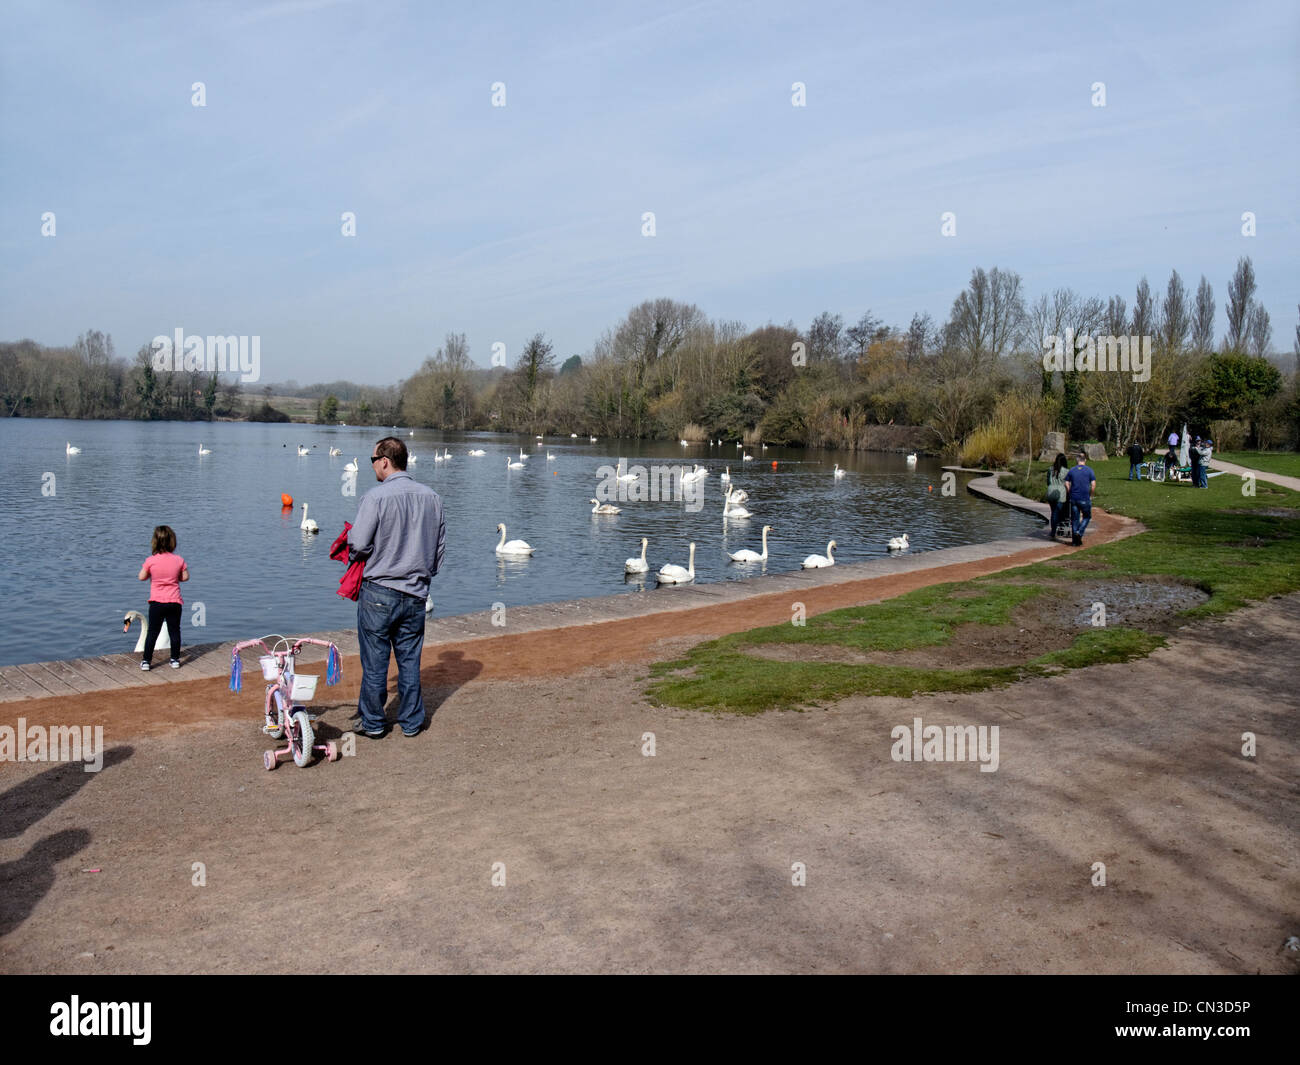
(504, 221)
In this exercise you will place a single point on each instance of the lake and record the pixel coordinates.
(78, 526)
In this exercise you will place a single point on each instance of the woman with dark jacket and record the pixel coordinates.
(1056, 492)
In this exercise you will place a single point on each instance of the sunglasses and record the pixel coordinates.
(375, 458)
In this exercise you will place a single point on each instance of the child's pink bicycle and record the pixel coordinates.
(285, 716)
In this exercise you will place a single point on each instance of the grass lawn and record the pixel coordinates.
(1231, 547)
(1286, 463)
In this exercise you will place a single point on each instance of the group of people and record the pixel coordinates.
(400, 535)
(1199, 452)
(1069, 491)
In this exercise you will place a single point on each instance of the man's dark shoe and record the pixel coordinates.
(356, 726)
(1077, 541)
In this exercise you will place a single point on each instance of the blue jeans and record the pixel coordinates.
(1134, 468)
(390, 620)
(1080, 515)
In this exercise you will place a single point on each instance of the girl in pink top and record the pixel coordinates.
(165, 569)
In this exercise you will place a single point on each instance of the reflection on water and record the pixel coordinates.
(79, 525)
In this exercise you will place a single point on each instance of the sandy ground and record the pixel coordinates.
(619, 862)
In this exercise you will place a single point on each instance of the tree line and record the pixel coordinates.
(976, 382)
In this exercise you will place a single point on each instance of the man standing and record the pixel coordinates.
(1207, 452)
(1195, 455)
(1173, 439)
(400, 532)
(1081, 482)
(1135, 457)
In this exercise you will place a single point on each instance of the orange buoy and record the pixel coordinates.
(929, 488)
(774, 464)
(286, 499)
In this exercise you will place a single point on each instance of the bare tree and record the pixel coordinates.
(826, 338)
(1203, 318)
(1261, 332)
(1175, 316)
(987, 318)
(1241, 298)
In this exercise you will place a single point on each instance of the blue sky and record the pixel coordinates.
(502, 222)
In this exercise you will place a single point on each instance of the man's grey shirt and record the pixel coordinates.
(399, 530)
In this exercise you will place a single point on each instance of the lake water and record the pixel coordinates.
(77, 527)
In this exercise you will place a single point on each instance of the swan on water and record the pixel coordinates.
(303, 452)
(724, 478)
(335, 452)
(521, 454)
(746, 458)
(898, 543)
(513, 465)
(605, 508)
(134, 615)
(911, 459)
(730, 511)
(416, 458)
(746, 555)
(573, 436)
(351, 467)
(550, 457)
(593, 439)
(308, 524)
(514, 547)
(204, 450)
(671, 574)
(638, 565)
(73, 450)
(838, 472)
(477, 451)
(819, 561)
(625, 478)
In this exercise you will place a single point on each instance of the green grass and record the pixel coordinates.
(1286, 463)
(1193, 536)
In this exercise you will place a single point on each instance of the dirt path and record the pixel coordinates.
(615, 861)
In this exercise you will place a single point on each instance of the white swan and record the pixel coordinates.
(738, 495)
(746, 458)
(605, 508)
(573, 436)
(351, 467)
(438, 458)
(638, 565)
(726, 477)
(677, 574)
(204, 450)
(819, 561)
(514, 547)
(308, 524)
(163, 640)
(415, 458)
(911, 459)
(477, 451)
(522, 456)
(446, 454)
(73, 450)
(411, 433)
(335, 452)
(683, 443)
(746, 555)
(303, 452)
(838, 472)
(550, 457)
(730, 511)
(593, 439)
(898, 543)
(697, 474)
(513, 465)
(625, 478)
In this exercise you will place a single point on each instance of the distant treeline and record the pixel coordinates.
(668, 371)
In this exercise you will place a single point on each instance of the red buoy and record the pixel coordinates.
(774, 464)
(286, 499)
